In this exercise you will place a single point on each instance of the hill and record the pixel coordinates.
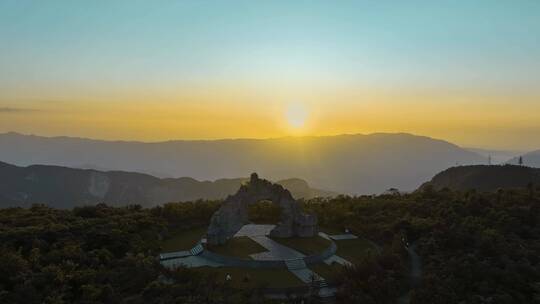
(63, 187)
(353, 164)
(466, 248)
(531, 159)
(497, 156)
(485, 178)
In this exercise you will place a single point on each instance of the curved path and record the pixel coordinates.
(415, 273)
(416, 265)
(295, 262)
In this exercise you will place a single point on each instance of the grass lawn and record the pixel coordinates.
(179, 240)
(307, 246)
(329, 272)
(268, 278)
(240, 247)
(354, 250)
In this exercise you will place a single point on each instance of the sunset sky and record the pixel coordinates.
(464, 71)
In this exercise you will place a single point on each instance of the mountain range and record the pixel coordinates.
(63, 187)
(351, 164)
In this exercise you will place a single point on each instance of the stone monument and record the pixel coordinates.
(233, 213)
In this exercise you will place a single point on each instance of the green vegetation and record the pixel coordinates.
(307, 246)
(474, 247)
(94, 254)
(181, 239)
(241, 247)
(485, 178)
(188, 215)
(264, 212)
(331, 273)
(249, 278)
(356, 250)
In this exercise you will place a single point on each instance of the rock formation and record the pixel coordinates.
(233, 213)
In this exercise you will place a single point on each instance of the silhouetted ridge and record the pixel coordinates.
(531, 159)
(64, 187)
(485, 178)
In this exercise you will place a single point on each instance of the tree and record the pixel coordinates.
(520, 162)
(530, 187)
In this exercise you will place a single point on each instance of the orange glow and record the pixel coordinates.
(466, 119)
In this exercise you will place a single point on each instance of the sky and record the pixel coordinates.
(464, 71)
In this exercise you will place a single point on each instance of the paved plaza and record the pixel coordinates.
(275, 251)
(251, 230)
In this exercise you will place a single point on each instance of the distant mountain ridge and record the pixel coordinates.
(497, 156)
(531, 159)
(352, 164)
(485, 178)
(63, 187)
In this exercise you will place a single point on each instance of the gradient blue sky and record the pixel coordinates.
(490, 43)
(116, 51)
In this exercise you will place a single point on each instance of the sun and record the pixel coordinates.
(296, 115)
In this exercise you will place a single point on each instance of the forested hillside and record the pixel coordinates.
(62, 187)
(474, 248)
(485, 178)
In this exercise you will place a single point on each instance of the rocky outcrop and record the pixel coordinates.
(233, 214)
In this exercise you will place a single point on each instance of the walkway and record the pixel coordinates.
(415, 274)
(190, 262)
(250, 230)
(276, 251)
(339, 260)
(299, 268)
(174, 255)
(306, 275)
(340, 237)
(336, 258)
(191, 258)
